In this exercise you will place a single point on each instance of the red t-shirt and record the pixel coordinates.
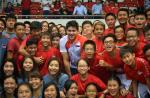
(99, 45)
(139, 72)
(97, 70)
(115, 61)
(26, 4)
(90, 79)
(46, 55)
(138, 50)
(13, 46)
(129, 95)
(108, 31)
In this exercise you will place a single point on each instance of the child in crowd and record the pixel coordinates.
(138, 70)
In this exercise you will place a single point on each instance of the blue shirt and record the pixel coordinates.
(97, 9)
(60, 81)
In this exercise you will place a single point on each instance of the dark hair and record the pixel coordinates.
(91, 43)
(113, 77)
(35, 74)
(84, 60)
(55, 35)
(146, 47)
(27, 22)
(35, 25)
(58, 60)
(119, 26)
(14, 78)
(110, 35)
(11, 16)
(140, 13)
(125, 49)
(125, 10)
(146, 28)
(2, 20)
(46, 33)
(18, 23)
(87, 22)
(50, 84)
(72, 23)
(32, 41)
(68, 84)
(97, 87)
(23, 73)
(15, 68)
(99, 23)
(110, 14)
(133, 29)
(25, 84)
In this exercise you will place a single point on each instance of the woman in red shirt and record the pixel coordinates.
(113, 89)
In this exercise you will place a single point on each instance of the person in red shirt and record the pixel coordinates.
(113, 89)
(46, 52)
(87, 29)
(123, 17)
(136, 69)
(14, 43)
(31, 48)
(99, 29)
(92, 57)
(35, 33)
(140, 22)
(133, 40)
(83, 77)
(147, 34)
(25, 4)
(146, 51)
(110, 59)
(110, 20)
(120, 35)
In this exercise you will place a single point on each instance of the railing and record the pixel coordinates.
(58, 16)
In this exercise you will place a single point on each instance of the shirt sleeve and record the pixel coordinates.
(62, 45)
(62, 81)
(145, 68)
(11, 46)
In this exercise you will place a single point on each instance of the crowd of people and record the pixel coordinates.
(45, 60)
(71, 7)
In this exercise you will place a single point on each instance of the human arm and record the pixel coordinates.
(135, 88)
(66, 63)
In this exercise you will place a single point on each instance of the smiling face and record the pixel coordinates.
(132, 38)
(109, 44)
(82, 67)
(128, 58)
(53, 67)
(91, 91)
(119, 33)
(24, 92)
(45, 39)
(140, 21)
(99, 30)
(45, 27)
(113, 87)
(87, 29)
(10, 85)
(72, 92)
(122, 17)
(50, 92)
(72, 33)
(35, 82)
(28, 64)
(8, 68)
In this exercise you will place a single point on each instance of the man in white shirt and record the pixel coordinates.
(46, 6)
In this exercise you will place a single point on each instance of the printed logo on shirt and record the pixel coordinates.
(3, 45)
(139, 72)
